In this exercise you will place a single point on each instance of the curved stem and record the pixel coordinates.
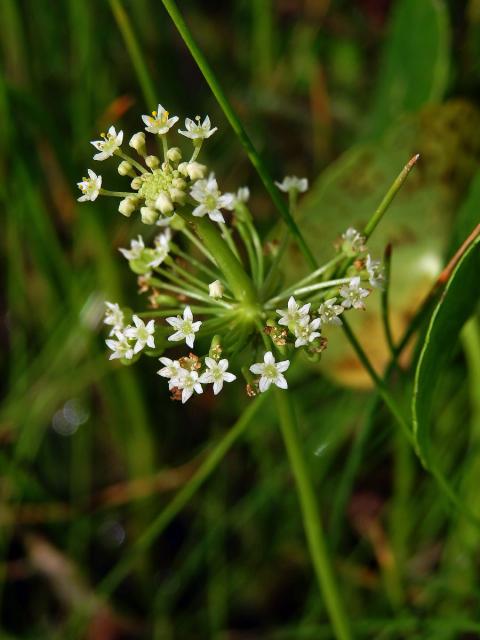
(237, 126)
(311, 518)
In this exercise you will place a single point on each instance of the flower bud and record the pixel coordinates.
(164, 203)
(196, 171)
(149, 215)
(152, 162)
(174, 154)
(127, 206)
(215, 289)
(136, 183)
(137, 142)
(179, 183)
(182, 167)
(126, 169)
(177, 195)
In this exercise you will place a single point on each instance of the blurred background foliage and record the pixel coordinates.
(344, 93)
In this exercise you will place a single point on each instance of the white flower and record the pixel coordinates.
(108, 145)
(293, 314)
(188, 383)
(159, 122)
(135, 251)
(197, 131)
(270, 372)
(171, 369)
(185, 327)
(292, 183)
(142, 333)
(217, 374)
(353, 294)
(242, 195)
(306, 332)
(207, 193)
(113, 317)
(353, 242)
(375, 272)
(120, 347)
(162, 247)
(215, 289)
(90, 187)
(328, 312)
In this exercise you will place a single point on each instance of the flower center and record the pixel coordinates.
(270, 371)
(153, 184)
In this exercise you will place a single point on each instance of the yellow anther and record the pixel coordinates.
(154, 114)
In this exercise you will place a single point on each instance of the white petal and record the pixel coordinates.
(264, 384)
(257, 368)
(283, 365)
(268, 358)
(281, 382)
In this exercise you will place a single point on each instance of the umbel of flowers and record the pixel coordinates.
(212, 289)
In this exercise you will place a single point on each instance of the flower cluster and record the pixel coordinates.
(211, 284)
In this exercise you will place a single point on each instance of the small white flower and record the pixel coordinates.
(171, 369)
(306, 332)
(375, 272)
(162, 248)
(353, 293)
(121, 348)
(353, 242)
(185, 327)
(108, 145)
(90, 187)
(292, 183)
(217, 374)
(293, 314)
(328, 312)
(242, 195)
(113, 317)
(188, 383)
(215, 289)
(207, 193)
(142, 333)
(135, 251)
(159, 122)
(270, 372)
(197, 131)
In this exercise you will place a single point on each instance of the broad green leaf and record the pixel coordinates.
(457, 304)
(414, 64)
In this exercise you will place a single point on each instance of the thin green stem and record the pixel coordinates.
(240, 284)
(256, 160)
(186, 292)
(258, 248)
(315, 274)
(194, 240)
(379, 383)
(131, 43)
(164, 313)
(328, 284)
(196, 263)
(252, 257)
(311, 518)
(227, 236)
(385, 302)
(387, 200)
(131, 160)
(188, 276)
(117, 194)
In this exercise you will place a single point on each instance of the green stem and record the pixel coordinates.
(185, 292)
(385, 302)
(239, 282)
(391, 193)
(131, 160)
(131, 43)
(311, 518)
(379, 383)
(196, 263)
(328, 284)
(227, 236)
(256, 160)
(247, 241)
